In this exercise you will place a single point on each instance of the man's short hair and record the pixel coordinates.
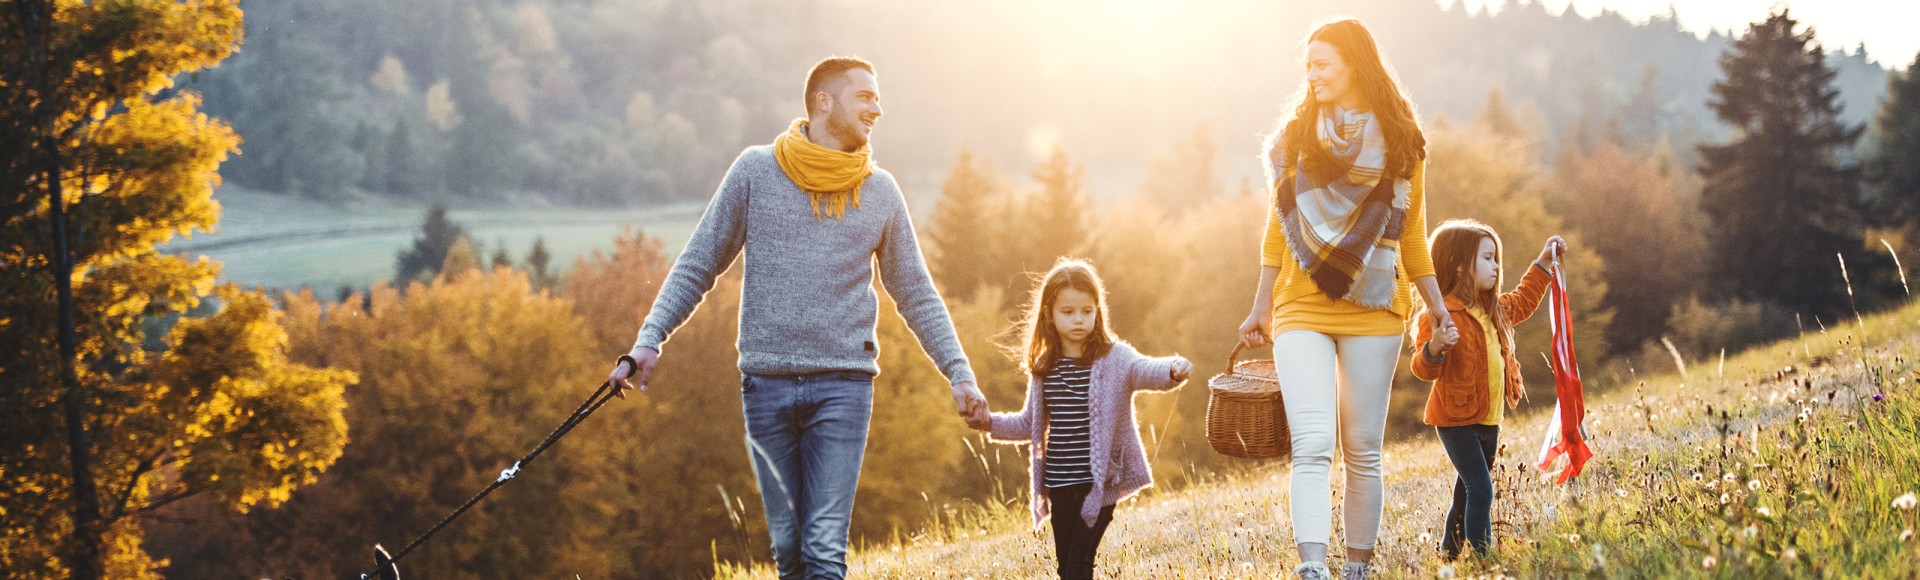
(829, 70)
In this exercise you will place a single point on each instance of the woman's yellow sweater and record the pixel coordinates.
(1300, 305)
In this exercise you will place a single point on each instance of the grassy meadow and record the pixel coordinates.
(281, 241)
(1786, 460)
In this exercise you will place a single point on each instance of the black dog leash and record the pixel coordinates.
(387, 568)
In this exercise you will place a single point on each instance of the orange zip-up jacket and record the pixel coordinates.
(1460, 389)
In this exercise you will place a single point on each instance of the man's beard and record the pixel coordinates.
(845, 126)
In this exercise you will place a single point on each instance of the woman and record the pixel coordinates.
(1346, 234)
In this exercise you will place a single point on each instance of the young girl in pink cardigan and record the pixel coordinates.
(1078, 416)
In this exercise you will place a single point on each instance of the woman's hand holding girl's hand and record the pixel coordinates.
(1182, 368)
(1442, 320)
(1443, 338)
(1555, 246)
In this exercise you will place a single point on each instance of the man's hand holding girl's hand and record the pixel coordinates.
(971, 404)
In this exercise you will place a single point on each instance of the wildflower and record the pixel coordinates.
(1724, 499)
(1730, 477)
(1708, 562)
(1445, 572)
(1877, 397)
(1906, 502)
(1575, 538)
(1622, 492)
(1753, 485)
(1765, 512)
(1750, 532)
(1697, 478)
(1425, 537)
(1790, 554)
(1905, 535)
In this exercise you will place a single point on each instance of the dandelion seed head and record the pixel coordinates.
(1724, 498)
(1750, 532)
(1765, 511)
(1905, 535)
(1753, 485)
(1445, 572)
(1708, 562)
(1906, 502)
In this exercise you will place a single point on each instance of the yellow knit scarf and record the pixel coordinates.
(831, 177)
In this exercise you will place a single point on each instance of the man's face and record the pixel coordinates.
(855, 107)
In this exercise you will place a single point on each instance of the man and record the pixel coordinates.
(812, 215)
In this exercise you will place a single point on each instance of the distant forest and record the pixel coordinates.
(583, 102)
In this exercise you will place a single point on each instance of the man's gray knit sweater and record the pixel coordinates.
(808, 303)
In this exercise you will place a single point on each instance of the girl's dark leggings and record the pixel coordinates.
(1074, 542)
(1469, 520)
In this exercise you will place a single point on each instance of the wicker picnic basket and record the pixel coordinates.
(1245, 416)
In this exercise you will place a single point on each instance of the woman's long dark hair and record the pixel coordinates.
(1406, 145)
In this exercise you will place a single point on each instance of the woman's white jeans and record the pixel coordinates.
(1336, 386)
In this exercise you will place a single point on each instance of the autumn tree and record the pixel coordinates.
(614, 290)
(1641, 215)
(684, 500)
(458, 378)
(123, 405)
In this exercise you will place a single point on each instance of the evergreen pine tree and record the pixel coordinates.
(1057, 212)
(1893, 172)
(1782, 205)
(962, 235)
(538, 262)
(500, 258)
(429, 251)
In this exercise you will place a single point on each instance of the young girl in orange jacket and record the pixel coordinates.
(1472, 365)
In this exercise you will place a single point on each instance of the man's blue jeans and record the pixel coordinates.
(807, 435)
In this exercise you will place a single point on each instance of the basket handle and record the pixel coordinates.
(1233, 359)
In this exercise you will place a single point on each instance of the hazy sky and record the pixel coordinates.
(1885, 26)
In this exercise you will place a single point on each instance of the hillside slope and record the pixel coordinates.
(1779, 461)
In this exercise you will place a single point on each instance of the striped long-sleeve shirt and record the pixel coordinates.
(1069, 445)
